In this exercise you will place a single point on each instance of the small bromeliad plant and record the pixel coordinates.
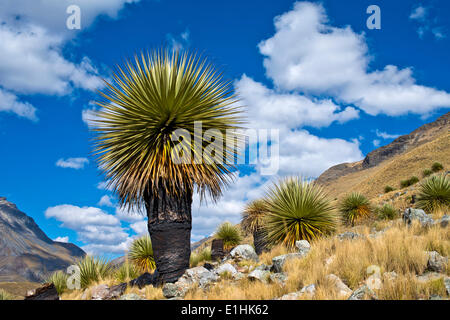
(434, 194)
(253, 221)
(355, 207)
(93, 269)
(59, 280)
(298, 210)
(230, 234)
(387, 212)
(127, 271)
(141, 254)
(199, 257)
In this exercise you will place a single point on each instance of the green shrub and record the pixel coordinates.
(92, 270)
(388, 189)
(355, 207)
(387, 212)
(427, 172)
(198, 257)
(298, 210)
(127, 272)
(437, 167)
(5, 295)
(141, 254)
(434, 194)
(230, 234)
(59, 279)
(409, 182)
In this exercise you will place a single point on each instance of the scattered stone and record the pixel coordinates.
(99, 292)
(175, 290)
(430, 276)
(279, 278)
(443, 222)
(329, 260)
(447, 284)
(131, 296)
(238, 276)
(308, 290)
(436, 262)
(210, 265)
(46, 292)
(411, 214)
(436, 297)
(226, 267)
(279, 261)
(263, 267)
(244, 252)
(303, 246)
(340, 286)
(291, 296)
(259, 275)
(199, 275)
(363, 293)
(104, 292)
(349, 236)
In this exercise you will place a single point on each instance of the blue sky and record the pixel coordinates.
(334, 88)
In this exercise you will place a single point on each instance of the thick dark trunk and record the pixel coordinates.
(259, 241)
(169, 225)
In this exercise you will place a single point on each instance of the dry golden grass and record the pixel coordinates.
(400, 249)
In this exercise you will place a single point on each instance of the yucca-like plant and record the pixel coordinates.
(253, 221)
(93, 269)
(298, 210)
(387, 212)
(230, 234)
(355, 207)
(59, 279)
(434, 194)
(151, 105)
(126, 272)
(141, 254)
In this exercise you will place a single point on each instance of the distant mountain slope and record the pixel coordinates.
(26, 253)
(406, 156)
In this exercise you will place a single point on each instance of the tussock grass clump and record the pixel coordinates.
(230, 234)
(199, 257)
(59, 279)
(141, 254)
(436, 167)
(93, 269)
(126, 272)
(387, 212)
(5, 295)
(427, 172)
(434, 194)
(298, 210)
(388, 189)
(355, 207)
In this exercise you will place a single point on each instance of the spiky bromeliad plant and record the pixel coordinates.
(138, 144)
(434, 194)
(298, 210)
(141, 254)
(230, 235)
(355, 207)
(253, 221)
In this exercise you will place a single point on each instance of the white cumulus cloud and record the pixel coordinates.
(73, 163)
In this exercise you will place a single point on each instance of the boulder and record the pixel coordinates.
(260, 275)
(363, 293)
(99, 292)
(279, 261)
(447, 284)
(244, 252)
(175, 290)
(104, 292)
(145, 280)
(131, 296)
(443, 222)
(430, 276)
(308, 290)
(410, 214)
(226, 267)
(341, 287)
(436, 262)
(195, 276)
(303, 246)
(279, 278)
(46, 292)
